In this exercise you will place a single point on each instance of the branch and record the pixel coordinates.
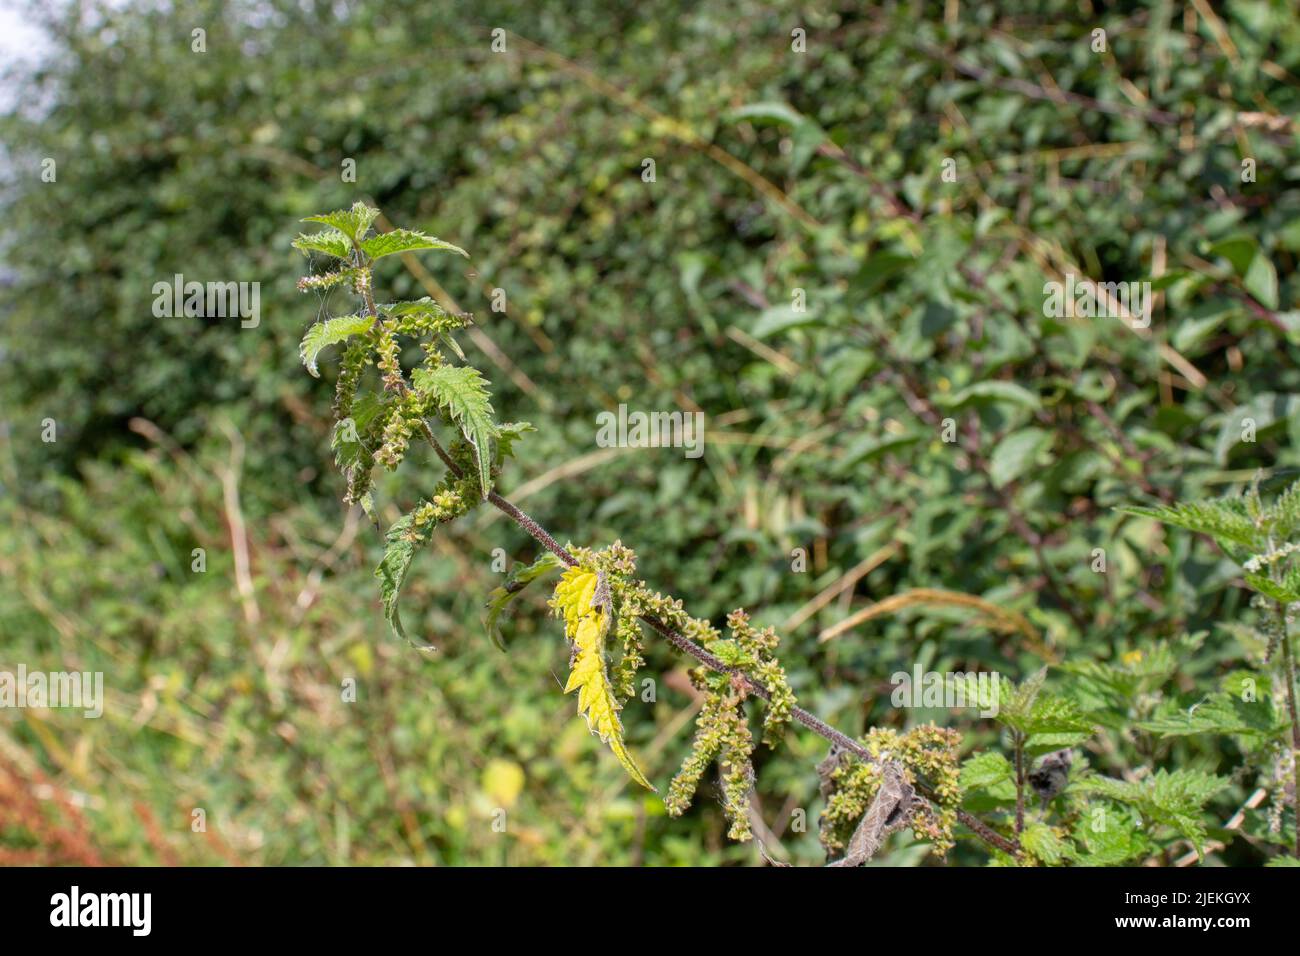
(689, 647)
(685, 644)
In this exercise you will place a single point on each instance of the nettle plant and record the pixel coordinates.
(873, 785)
(889, 780)
(1257, 708)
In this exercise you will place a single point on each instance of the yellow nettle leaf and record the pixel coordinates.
(587, 627)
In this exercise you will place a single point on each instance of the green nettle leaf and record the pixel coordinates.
(1043, 843)
(1285, 513)
(1118, 684)
(1277, 590)
(1109, 838)
(367, 408)
(500, 598)
(507, 434)
(1219, 713)
(1038, 744)
(1052, 715)
(1171, 799)
(353, 223)
(1225, 519)
(422, 307)
(404, 240)
(331, 242)
(1017, 453)
(1015, 701)
(462, 393)
(349, 451)
(1031, 712)
(330, 332)
(985, 771)
(401, 544)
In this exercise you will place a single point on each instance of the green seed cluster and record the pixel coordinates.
(404, 420)
(722, 731)
(387, 350)
(443, 506)
(326, 280)
(355, 359)
(758, 647)
(453, 497)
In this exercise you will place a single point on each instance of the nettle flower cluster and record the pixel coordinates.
(603, 607)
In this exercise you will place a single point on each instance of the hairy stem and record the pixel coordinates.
(1018, 740)
(1288, 672)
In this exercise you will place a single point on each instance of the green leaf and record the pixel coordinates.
(331, 242)
(1119, 683)
(1042, 843)
(782, 318)
(1219, 713)
(1260, 281)
(990, 391)
(423, 307)
(368, 407)
(1284, 516)
(773, 112)
(1277, 590)
(1172, 799)
(1109, 837)
(1038, 744)
(404, 240)
(1014, 702)
(1264, 411)
(985, 770)
(507, 434)
(500, 598)
(1052, 715)
(462, 393)
(349, 451)
(353, 223)
(1240, 251)
(400, 546)
(330, 332)
(1017, 453)
(1221, 518)
(805, 137)
(878, 269)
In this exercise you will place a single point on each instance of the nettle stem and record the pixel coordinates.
(689, 647)
(1018, 740)
(1288, 672)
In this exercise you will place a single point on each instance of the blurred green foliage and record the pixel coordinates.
(778, 175)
